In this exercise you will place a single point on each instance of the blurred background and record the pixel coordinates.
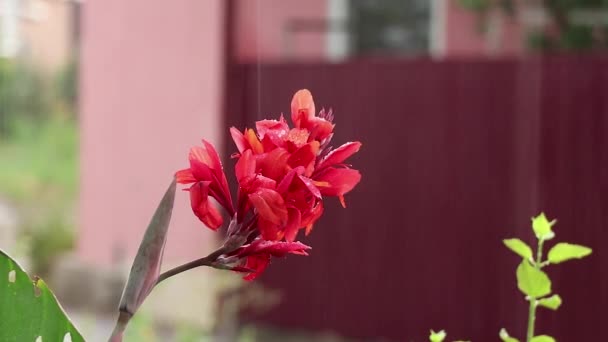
(474, 115)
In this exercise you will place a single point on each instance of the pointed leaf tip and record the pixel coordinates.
(519, 247)
(553, 302)
(566, 251)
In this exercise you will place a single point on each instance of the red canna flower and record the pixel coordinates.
(255, 257)
(283, 173)
(208, 179)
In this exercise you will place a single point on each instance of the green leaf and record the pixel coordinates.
(519, 247)
(565, 251)
(28, 309)
(504, 336)
(146, 266)
(437, 336)
(542, 338)
(531, 281)
(542, 227)
(552, 302)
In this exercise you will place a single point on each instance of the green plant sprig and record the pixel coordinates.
(532, 281)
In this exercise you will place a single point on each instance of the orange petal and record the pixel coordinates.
(302, 106)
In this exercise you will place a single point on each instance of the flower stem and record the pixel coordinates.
(533, 302)
(209, 260)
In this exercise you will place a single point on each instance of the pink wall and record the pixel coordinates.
(462, 37)
(151, 88)
(260, 30)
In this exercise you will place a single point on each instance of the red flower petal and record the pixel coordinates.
(245, 166)
(239, 139)
(302, 106)
(205, 211)
(340, 154)
(258, 263)
(293, 224)
(319, 128)
(184, 176)
(276, 129)
(310, 217)
(337, 182)
(269, 205)
(274, 248)
(305, 156)
(273, 164)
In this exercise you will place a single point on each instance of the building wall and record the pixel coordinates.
(150, 89)
(46, 28)
(260, 31)
(463, 37)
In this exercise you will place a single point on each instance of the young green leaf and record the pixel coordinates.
(504, 336)
(437, 336)
(566, 251)
(542, 227)
(552, 302)
(542, 338)
(531, 281)
(519, 247)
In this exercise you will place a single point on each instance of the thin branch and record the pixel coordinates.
(209, 260)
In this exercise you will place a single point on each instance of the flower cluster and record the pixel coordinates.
(283, 174)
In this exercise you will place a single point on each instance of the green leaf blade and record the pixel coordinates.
(531, 281)
(553, 302)
(519, 247)
(29, 309)
(566, 251)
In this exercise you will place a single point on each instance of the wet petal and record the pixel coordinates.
(245, 166)
(274, 164)
(340, 154)
(339, 181)
(305, 156)
(269, 205)
(205, 211)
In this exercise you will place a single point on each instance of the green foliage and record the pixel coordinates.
(437, 336)
(66, 85)
(29, 309)
(48, 240)
(504, 336)
(40, 163)
(553, 302)
(519, 247)
(532, 281)
(542, 338)
(566, 251)
(23, 94)
(564, 34)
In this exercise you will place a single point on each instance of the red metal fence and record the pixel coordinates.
(456, 156)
